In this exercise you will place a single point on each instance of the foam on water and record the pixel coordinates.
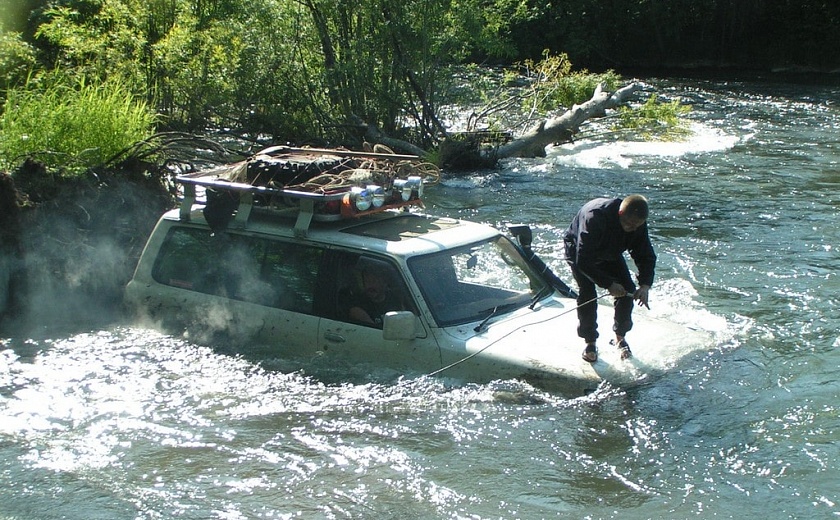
(177, 429)
(605, 154)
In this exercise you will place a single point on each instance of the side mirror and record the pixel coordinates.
(399, 325)
(523, 234)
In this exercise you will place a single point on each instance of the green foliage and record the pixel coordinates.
(654, 120)
(76, 124)
(481, 27)
(294, 70)
(197, 70)
(279, 86)
(513, 99)
(97, 39)
(17, 60)
(383, 60)
(254, 65)
(556, 86)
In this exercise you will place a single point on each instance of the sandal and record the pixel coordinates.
(590, 354)
(624, 348)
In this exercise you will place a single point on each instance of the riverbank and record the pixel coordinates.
(69, 245)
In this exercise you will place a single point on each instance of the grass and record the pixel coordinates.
(71, 125)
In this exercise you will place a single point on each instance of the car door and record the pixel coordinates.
(347, 336)
(258, 290)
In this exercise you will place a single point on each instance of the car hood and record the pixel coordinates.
(541, 346)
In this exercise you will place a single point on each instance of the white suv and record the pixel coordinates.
(336, 274)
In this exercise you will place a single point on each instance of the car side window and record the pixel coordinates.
(367, 288)
(253, 269)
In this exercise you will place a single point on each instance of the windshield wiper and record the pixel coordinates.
(539, 296)
(485, 320)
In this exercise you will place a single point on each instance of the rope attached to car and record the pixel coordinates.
(482, 349)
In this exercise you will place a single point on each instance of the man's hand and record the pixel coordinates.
(641, 295)
(617, 290)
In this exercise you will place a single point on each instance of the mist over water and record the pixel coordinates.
(121, 421)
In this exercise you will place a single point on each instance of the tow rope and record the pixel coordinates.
(482, 349)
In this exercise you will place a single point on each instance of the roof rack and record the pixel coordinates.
(311, 184)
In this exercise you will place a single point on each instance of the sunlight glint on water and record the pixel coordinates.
(130, 423)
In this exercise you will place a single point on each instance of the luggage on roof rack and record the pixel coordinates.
(313, 183)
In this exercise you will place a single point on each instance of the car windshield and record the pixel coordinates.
(470, 283)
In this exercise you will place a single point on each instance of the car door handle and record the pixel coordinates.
(334, 338)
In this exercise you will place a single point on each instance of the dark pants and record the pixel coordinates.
(587, 310)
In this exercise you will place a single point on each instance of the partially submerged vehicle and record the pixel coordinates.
(280, 256)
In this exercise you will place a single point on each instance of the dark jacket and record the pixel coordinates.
(595, 237)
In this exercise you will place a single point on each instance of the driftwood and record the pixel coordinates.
(562, 128)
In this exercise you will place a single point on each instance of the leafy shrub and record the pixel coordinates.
(17, 60)
(555, 86)
(71, 124)
(654, 121)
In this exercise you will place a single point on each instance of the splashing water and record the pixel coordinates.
(124, 422)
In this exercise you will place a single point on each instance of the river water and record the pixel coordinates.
(122, 422)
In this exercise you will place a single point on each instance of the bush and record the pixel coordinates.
(556, 86)
(17, 61)
(655, 121)
(71, 125)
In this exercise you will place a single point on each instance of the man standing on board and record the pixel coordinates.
(595, 243)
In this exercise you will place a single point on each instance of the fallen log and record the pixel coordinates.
(562, 128)
(460, 153)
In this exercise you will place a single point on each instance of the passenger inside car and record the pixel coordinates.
(375, 290)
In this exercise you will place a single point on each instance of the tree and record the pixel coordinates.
(384, 61)
(96, 39)
(293, 70)
(562, 128)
